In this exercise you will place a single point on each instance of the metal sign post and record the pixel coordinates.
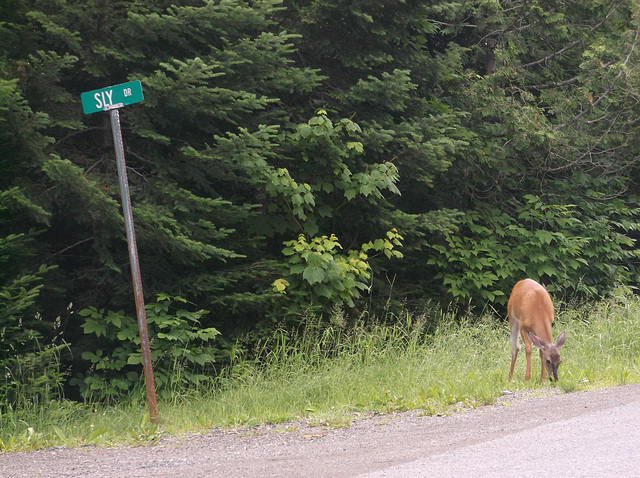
(110, 99)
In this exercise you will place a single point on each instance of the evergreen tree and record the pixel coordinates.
(25, 337)
(389, 75)
(225, 159)
(551, 94)
(491, 112)
(287, 149)
(210, 71)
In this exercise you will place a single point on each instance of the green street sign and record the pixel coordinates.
(111, 97)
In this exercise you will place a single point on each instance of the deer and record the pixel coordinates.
(530, 313)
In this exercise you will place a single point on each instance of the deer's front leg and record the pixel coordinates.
(543, 373)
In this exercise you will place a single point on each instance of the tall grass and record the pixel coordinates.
(365, 368)
(603, 347)
(326, 374)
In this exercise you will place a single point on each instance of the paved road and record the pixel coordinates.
(604, 443)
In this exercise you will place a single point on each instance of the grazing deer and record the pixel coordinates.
(530, 314)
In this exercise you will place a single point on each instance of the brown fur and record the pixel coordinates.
(530, 314)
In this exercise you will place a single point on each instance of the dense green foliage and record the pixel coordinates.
(302, 154)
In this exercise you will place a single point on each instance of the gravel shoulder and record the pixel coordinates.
(296, 449)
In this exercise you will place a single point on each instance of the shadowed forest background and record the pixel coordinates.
(340, 160)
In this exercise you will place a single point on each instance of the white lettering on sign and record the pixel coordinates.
(111, 97)
(102, 97)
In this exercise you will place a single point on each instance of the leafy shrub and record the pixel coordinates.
(491, 249)
(328, 276)
(182, 353)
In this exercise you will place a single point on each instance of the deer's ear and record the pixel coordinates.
(560, 340)
(537, 341)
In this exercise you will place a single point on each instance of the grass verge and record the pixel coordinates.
(327, 375)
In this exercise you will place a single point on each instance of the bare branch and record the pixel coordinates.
(553, 85)
(73, 245)
(549, 57)
(584, 111)
(75, 133)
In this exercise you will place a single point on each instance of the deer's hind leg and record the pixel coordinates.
(515, 343)
(527, 350)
